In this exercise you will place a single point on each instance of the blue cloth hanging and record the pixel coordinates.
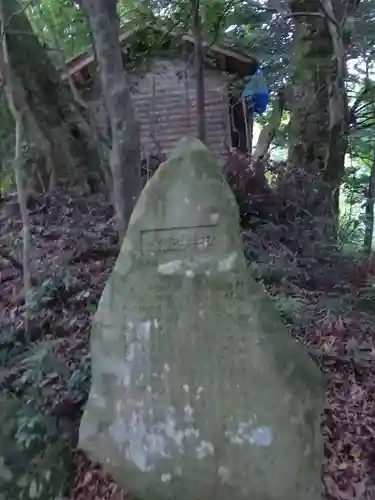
(256, 93)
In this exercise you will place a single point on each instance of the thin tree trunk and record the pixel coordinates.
(199, 65)
(21, 192)
(15, 107)
(369, 217)
(268, 132)
(125, 156)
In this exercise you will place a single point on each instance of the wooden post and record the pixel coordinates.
(199, 65)
(248, 119)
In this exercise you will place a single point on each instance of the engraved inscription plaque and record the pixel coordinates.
(177, 239)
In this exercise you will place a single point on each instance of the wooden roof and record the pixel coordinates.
(226, 59)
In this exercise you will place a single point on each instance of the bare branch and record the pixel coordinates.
(256, 6)
(282, 12)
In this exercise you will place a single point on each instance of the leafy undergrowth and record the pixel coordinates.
(329, 306)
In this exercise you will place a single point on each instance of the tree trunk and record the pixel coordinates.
(199, 65)
(319, 109)
(65, 133)
(369, 217)
(17, 111)
(125, 156)
(268, 133)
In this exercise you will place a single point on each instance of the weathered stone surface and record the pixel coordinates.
(197, 390)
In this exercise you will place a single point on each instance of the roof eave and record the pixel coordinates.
(232, 62)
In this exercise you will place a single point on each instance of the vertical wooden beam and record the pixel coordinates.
(248, 119)
(199, 65)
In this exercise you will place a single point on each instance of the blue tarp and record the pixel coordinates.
(255, 93)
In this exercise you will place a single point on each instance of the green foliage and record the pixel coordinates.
(80, 380)
(6, 146)
(355, 184)
(35, 447)
(36, 442)
(289, 307)
(351, 231)
(363, 34)
(40, 361)
(366, 300)
(35, 452)
(10, 348)
(61, 26)
(59, 283)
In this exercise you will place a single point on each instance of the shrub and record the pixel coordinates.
(37, 435)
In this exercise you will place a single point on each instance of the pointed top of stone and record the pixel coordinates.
(187, 208)
(187, 146)
(190, 179)
(193, 152)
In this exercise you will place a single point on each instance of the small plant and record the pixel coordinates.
(35, 445)
(289, 307)
(80, 380)
(35, 452)
(57, 285)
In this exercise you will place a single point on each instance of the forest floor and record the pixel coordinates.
(74, 247)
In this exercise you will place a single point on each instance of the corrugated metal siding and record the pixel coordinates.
(164, 100)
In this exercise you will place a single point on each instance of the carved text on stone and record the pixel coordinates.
(177, 239)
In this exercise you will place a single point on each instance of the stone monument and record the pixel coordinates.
(198, 391)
